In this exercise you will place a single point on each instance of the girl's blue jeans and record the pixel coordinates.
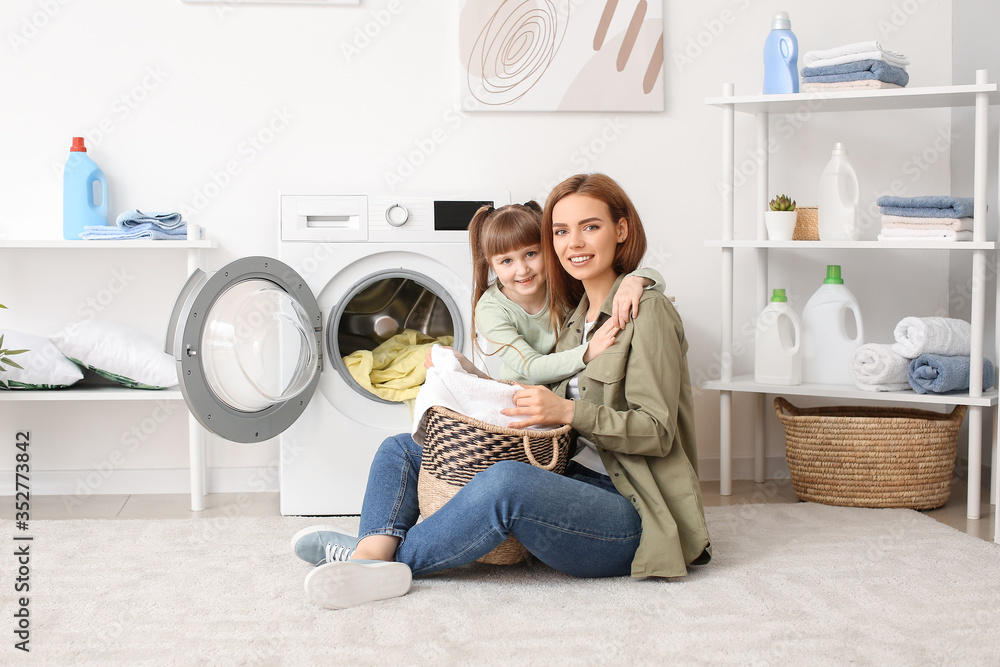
(576, 523)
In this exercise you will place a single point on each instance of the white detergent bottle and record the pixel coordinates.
(827, 346)
(778, 343)
(839, 206)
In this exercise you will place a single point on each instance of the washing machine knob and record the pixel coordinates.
(396, 215)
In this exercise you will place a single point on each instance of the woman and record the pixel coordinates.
(629, 503)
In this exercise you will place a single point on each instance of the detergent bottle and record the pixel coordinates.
(827, 347)
(839, 203)
(781, 57)
(778, 343)
(83, 203)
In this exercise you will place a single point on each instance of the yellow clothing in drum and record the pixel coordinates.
(394, 371)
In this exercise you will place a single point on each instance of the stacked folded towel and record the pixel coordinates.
(930, 355)
(937, 218)
(136, 224)
(857, 66)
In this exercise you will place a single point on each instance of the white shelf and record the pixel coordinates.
(854, 245)
(92, 394)
(109, 245)
(746, 383)
(930, 97)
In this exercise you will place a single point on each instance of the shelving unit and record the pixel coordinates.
(196, 435)
(979, 95)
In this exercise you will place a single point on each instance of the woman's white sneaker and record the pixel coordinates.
(339, 585)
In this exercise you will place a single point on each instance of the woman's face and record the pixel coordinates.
(585, 238)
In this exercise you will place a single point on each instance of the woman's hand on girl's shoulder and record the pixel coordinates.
(539, 405)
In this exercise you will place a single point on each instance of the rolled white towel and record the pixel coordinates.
(932, 335)
(876, 367)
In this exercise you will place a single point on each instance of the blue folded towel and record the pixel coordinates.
(939, 374)
(164, 220)
(145, 230)
(858, 70)
(931, 206)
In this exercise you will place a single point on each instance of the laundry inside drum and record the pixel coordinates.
(389, 307)
(384, 332)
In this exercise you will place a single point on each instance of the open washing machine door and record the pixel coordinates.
(248, 344)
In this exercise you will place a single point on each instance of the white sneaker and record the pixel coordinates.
(343, 584)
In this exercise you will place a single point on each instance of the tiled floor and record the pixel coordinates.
(177, 506)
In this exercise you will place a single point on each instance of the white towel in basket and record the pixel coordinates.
(451, 386)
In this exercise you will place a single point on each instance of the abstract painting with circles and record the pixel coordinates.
(562, 55)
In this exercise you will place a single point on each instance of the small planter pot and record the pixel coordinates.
(780, 225)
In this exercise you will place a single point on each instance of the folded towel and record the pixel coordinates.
(452, 387)
(859, 71)
(932, 335)
(870, 50)
(876, 367)
(897, 234)
(146, 230)
(904, 222)
(834, 86)
(163, 219)
(939, 374)
(394, 370)
(930, 206)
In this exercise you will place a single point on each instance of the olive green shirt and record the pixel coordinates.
(636, 406)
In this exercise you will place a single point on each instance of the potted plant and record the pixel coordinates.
(5, 358)
(780, 219)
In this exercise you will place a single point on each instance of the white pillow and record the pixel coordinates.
(117, 352)
(43, 366)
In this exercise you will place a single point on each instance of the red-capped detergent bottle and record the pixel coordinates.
(85, 192)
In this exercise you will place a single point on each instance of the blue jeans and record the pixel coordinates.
(578, 523)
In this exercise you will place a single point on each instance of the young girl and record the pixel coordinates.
(511, 312)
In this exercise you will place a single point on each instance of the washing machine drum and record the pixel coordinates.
(248, 347)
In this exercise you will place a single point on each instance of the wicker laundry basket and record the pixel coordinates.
(456, 447)
(870, 456)
(806, 224)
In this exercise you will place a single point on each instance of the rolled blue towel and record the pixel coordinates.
(145, 230)
(857, 71)
(939, 374)
(163, 219)
(931, 206)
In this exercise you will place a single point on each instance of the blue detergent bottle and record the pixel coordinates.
(781, 57)
(84, 203)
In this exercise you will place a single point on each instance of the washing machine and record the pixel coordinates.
(260, 343)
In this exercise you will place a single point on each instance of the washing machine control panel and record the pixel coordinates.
(388, 218)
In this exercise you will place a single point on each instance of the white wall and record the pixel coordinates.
(170, 95)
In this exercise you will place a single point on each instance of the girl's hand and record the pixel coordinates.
(428, 361)
(539, 405)
(626, 303)
(601, 340)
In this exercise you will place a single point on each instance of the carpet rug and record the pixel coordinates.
(789, 584)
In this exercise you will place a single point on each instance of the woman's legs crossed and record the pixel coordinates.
(571, 525)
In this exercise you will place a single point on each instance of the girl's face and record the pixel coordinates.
(585, 237)
(521, 272)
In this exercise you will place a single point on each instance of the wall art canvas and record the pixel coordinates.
(562, 55)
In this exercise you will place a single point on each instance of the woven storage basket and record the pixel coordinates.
(806, 224)
(456, 447)
(870, 457)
